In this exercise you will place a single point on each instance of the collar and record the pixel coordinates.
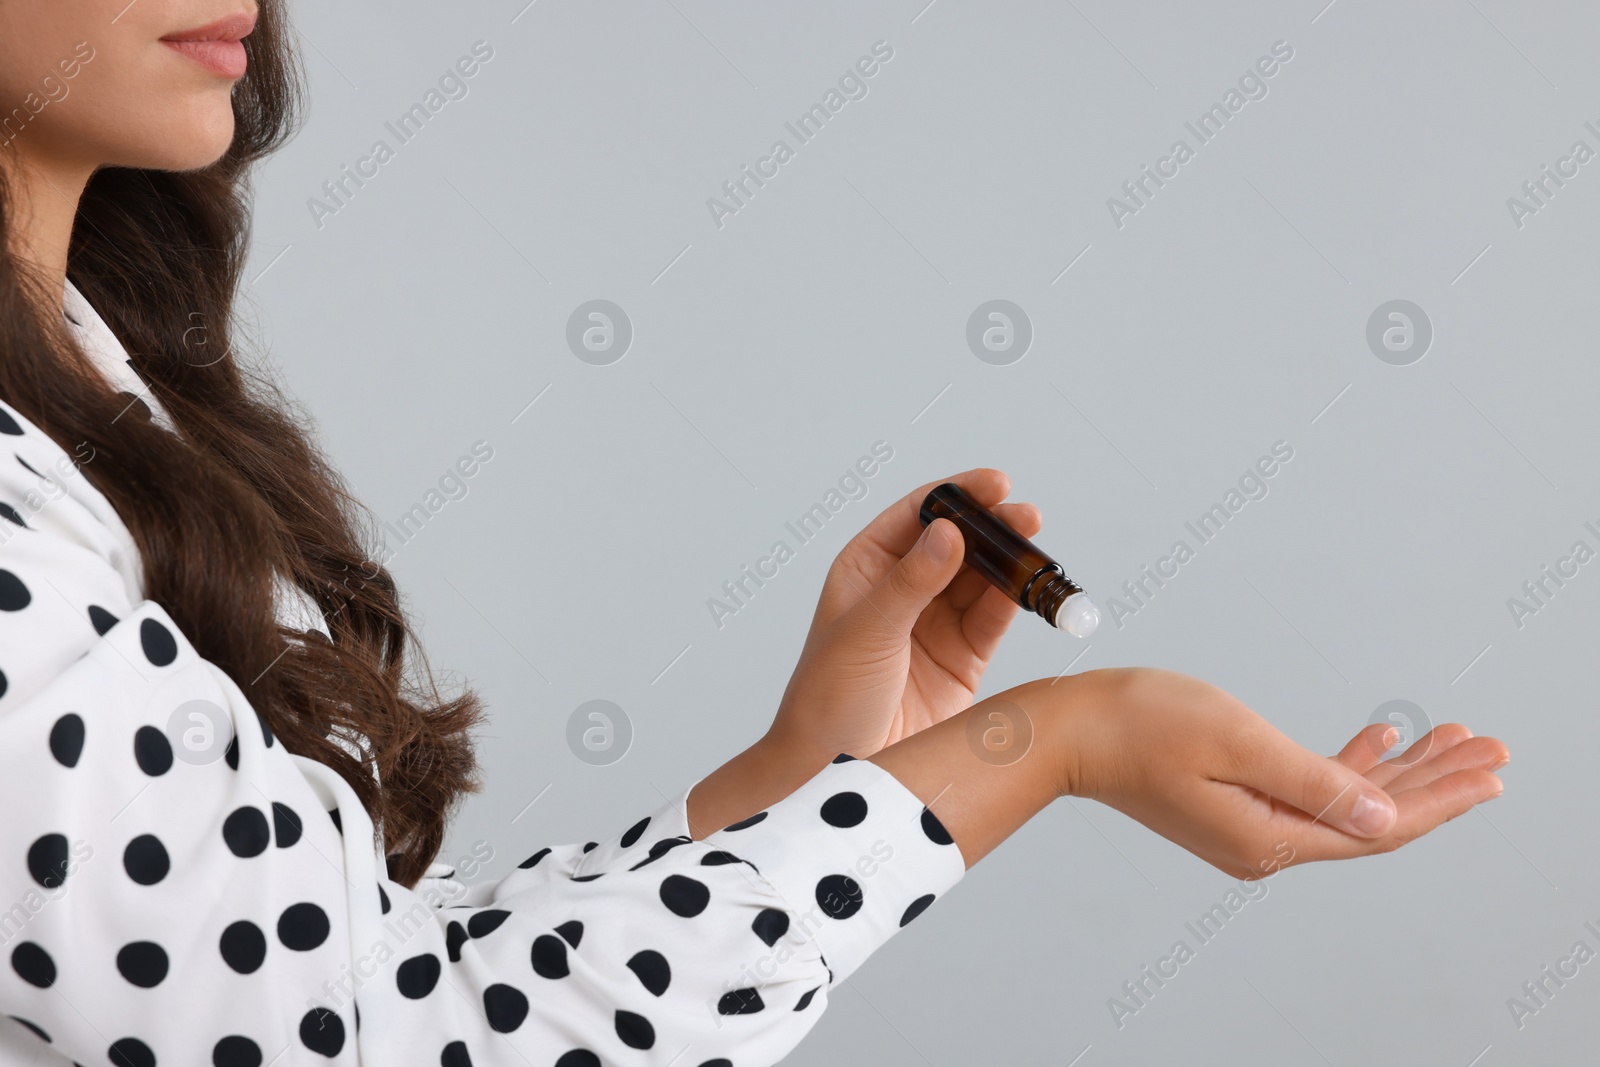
(100, 344)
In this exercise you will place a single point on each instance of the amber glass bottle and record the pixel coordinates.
(1012, 562)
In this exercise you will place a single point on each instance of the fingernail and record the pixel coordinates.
(1370, 815)
(938, 544)
(1390, 736)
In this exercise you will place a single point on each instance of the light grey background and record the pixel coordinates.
(1229, 313)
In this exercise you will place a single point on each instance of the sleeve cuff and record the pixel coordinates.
(855, 854)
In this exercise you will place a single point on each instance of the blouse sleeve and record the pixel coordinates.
(176, 888)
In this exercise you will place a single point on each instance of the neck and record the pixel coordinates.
(44, 195)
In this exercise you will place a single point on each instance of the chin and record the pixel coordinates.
(190, 145)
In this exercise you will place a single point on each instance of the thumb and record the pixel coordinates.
(1323, 788)
(896, 602)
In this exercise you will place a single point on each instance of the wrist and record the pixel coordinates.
(789, 757)
(1072, 719)
(761, 775)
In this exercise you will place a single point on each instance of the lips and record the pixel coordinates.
(216, 46)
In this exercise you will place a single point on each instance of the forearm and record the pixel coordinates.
(756, 778)
(983, 772)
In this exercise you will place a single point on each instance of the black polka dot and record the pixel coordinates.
(586, 877)
(487, 922)
(27, 466)
(549, 957)
(266, 735)
(66, 739)
(534, 859)
(322, 1031)
(338, 823)
(591, 846)
(145, 859)
(302, 927)
(653, 971)
(144, 963)
(571, 932)
(3, 683)
(152, 751)
(935, 829)
(236, 1051)
(718, 1062)
(243, 946)
(285, 825)
(383, 900)
(417, 976)
(661, 848)
(578, 1057)
(635, 1030)
(14, 595)
(455, 935)
(11, 514)
(844, 809)
(740, 1002)
(8, 425)
(770, 925)
(130, 1052)
(232, 753)
(160, 647)
(805, 1001)
(916, 907)
(35, 1027)
(101, 619)
(245, 831)
(635, 832)
(745, 824)
(33, 964)
(455, 1055)
(504, 1007)
(718, 858)
(684, 896)
(839, 896)
(843, 757)
(47, 860)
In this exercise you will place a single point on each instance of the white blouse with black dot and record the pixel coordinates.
(163, 902)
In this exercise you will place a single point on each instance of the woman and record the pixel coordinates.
(223, 794)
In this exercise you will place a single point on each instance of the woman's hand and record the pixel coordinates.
(902, 633)
(899, 642)
(1201, 769)
(1193, 764)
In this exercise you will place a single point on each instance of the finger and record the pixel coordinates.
(886, 614)
(887, 538)
(1483, 753)
(1427, 807)
(985, 623)
(871, 554)
(1021, 516)
(1365, 750)
(1435, 742)
(1419, 811)
(1323, 788)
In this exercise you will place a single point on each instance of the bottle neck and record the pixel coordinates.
(1047, 589)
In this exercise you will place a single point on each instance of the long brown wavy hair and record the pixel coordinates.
(160, 255)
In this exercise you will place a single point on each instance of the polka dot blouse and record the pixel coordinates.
(167, 903)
